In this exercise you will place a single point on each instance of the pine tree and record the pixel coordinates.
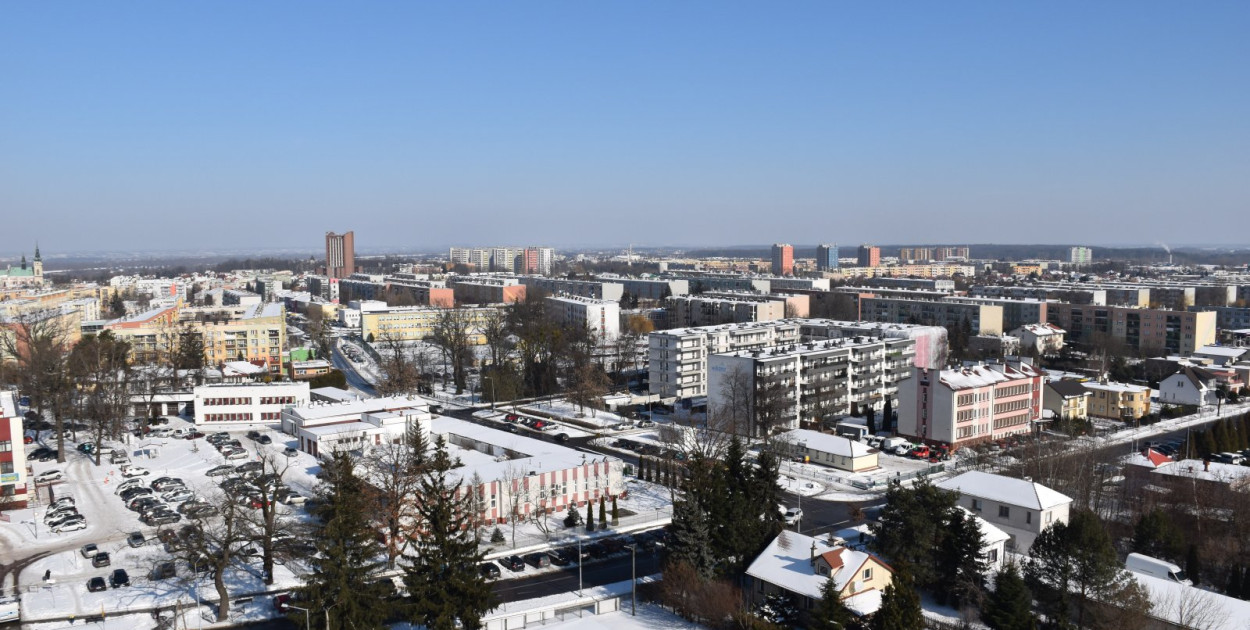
(603, 513)
(1076, 559)
(900, 606)
(447, 590)
(1157, 536)
(1010, 606)
(342, 578)
(573, 518)
(1233, 587)
(616, 519)
(1206, 443)
(590, 516)
(870, 414)
(830, 613)
(961, 568)
(691, 540)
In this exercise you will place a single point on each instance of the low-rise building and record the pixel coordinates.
(1117, 401)
(970, 404)
(1021, 508)
(1044, 338)
(601, 317)
(228, 405)
(487, 290)
(1192, 385)
(1067, 399)
(593, 289)
(798, 565)
(1141, 329)
(709, 310)
(830, 450)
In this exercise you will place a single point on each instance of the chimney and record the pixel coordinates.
(1206, 465)
(813, 557)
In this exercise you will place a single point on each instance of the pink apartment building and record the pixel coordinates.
(970, 404)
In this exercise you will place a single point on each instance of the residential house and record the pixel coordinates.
(831, 450)
(799, 565)
(1191, 386)
(1021, 508)
(1117, 401)
(1067, 399)
(1044, 338)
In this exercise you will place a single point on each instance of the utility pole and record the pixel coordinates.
(633, 590)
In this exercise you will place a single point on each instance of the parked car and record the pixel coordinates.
(100, 559)
(162, 518)
(253, 435)
(134, 492)
(57, 518)
(793, 515)
(166, 483)
(119, 578)
(513, 563)
(194, 435)
(178, 495)
(142, 504)
(191, 505)
(49, 476)
(562, 437)
(164, 570)
(249, 467)
(135, 471)
(220, 471)
(61, 502)
(920, 452)
(562, 557)
(265, 439)
(538, 560)
(97, 584)
(489, 570)
(136, 539)
(88, 550)
(622, 426)
(237, 454)
(293, 499)
(70, 525)
(290, 451)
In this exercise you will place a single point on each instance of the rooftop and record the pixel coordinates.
(1005, 490)
(787, 562)
(827, 443)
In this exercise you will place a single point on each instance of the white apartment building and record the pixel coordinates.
(811, 381)
(709, 310)
(601, 317)
(324, 427)
(970, 404)
(1021, 508)
(677, 359)
(227, 405)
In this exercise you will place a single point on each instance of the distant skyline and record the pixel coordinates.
(156, 126)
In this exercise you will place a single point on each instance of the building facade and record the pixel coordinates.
(1117, 401)
(1141, 329)
(783, 259)
(1021, 508)
(601, 317)
(340, 254)
(868, 256)
(225, 406)
(827, 257)
(12, 453)
(970, 404)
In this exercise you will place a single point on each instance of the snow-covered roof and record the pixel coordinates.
(826, 443)
(864, 603)
(333, 393)
(317, 413)
(787, 563)
(345, 427)
(1041, 330)
(1006, 490)
(990, 535)
(1181, 604)
(1148, 458)
(243, 368)
(1111, 386)
(971, 376)
(537, 456)
(1208, 471)
(1221, 351)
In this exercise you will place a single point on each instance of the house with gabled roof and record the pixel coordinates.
(1020, 507)
(1196, 386)
(799, 565)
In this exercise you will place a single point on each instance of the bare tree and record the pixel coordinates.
(451, 335)
(389, 470)
(401, 366)
(99, 367)
(477, 505)
(1191, 607)
(515, 483)
(271, 518)
(39, 344)
(217, 544)
(734, 407)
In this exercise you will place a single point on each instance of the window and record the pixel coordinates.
(1028, 517)
(992, 556)
(867, 574)
(6, 467)
(6, 446)
(1049, 517)
(1004, 511)
(976, 505)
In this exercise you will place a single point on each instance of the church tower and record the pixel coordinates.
(38, 263)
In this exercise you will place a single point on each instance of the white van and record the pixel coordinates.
(1155, 567)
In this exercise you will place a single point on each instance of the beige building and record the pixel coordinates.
(1067, 399)
(1118, 401)
(416, 323)
(1141, 329)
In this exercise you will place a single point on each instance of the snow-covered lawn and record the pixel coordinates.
(561, 408)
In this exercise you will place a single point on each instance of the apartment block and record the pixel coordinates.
(12, 453)
(340, 254)
(1080, 255)
(1227, 317)
(487, 290)
(811, 381)
(594, 289)
(416, 323)
(711, 309)
(1117, 401)
(601, 317)
(917, 284)
(783, 259)
(1141, 329)
(826, 257)
(1072, 295)
(868, 256)
(677, 359)
(985, 319)
(649, 289)
(970, 404)
(1017, 312)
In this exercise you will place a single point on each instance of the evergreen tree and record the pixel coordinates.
(1206, 444)
(573, 518)
(912, 528)
(1235, 577)
(447, 590)
(961, 568)
(691, 540)
(1157, 536)
(1010, 606)
(887, 416)
(1076, 559)
(342, 579)
(603, 513)
(1193, 566)
(870, 414)
(616, 518)
(900, 606)
(830, 613)
(418, 448)
(590, 516)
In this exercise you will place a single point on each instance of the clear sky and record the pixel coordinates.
(160, 125)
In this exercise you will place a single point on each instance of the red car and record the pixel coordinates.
(920, 452)
(194, 435)
(28, 440)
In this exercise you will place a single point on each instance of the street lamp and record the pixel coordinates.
(579, 566)
(633, 590)
(327, 611)
(307, 623)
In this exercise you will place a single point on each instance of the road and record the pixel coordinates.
(354, 379)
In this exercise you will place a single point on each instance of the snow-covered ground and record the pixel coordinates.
(27, 541)
(560, 408)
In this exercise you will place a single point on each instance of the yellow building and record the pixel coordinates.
(416, 323)
(255, 333)
(1118, 401)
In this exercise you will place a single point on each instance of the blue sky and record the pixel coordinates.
(162, 125)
